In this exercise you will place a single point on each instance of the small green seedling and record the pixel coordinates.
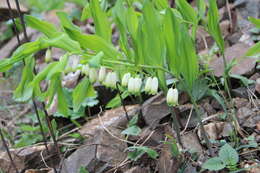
(228, 158)
(173, 145)
(83, 170)
(132, 128)
(136, 152)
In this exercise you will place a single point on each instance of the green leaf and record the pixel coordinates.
(94, 43)
(228, 155)
(161, 4)
(151, 49)
(76, 135)
(81, 92)
(90, 102)
(201, 5)
(83, 170)
(181, 53)
(22, 52)
(173, 144)
(214, 164)
(47, 28)
(56, 38)
(133, 121)
(213, 25)
(255, 21)
(24, 91)
(102, 25)
(187, 11)
(139, 151)
(28, 128)
(59, 67)
(96, 60)
(116, 101)
(132, 130)
(66, 21)
(219, 99)
(199, 89)
(86, 13)
(254, 50)
(63, 107)
(63, 41)
(40, 77)
(243, 79)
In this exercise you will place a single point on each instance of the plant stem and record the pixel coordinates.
(34, 102)
(134, 65)
(227, 85)
(12, 18)
(48, 121)
(41, 127)
(122, 101)
(203, 132)
(176, 125)
(22, 20)
(19, 43)
(8, 151)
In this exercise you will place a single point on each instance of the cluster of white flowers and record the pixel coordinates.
(109, 79)
(133, 84)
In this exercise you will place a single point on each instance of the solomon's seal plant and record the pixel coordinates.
(139, 54)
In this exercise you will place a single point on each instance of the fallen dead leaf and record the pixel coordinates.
(244, 66)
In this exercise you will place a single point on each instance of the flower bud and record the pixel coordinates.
(93, 75)
(154, 86)
(131, 85)
(85, 69)
(137, 84)
(48, 56)
(102, 74)
(125, 79)
(148, 85)
(172, 97)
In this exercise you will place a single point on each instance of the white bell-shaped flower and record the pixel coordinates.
(154, 85)
(131, 85)
(172, 97)
(137, 84)
(93, 75)
(125, 79)
(111, 80)
(148, 85)
(102, 74)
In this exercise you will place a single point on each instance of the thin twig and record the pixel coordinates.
(48, 121)
(188, 121)
(103, 126)
(12, 18)
(22, 20)
(19, 42)
(41, 127)
(34, 102)
(8, 151)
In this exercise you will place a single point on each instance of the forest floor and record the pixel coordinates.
(97, 142)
